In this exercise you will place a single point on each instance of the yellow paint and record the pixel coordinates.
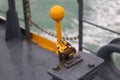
(44, 42)
(59, 34)
(57, 13)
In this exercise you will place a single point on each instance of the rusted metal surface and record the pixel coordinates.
(77, 71)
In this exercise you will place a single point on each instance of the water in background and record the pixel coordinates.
(102, 12)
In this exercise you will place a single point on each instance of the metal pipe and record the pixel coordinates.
(11, 4)
(59, 33)
(80, 24)
(101, 27)
(12, 24)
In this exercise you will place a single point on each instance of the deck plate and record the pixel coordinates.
(90, 62)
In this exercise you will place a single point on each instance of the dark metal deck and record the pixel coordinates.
(22, 60)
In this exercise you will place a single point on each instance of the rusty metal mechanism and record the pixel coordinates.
(65, 51)
(66, 55)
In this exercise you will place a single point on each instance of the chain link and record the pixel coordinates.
(51, 34)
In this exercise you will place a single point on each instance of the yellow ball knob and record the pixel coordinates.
(57, 12)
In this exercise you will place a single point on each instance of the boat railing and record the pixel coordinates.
(75, 37)
(101, 27)
(80, 25)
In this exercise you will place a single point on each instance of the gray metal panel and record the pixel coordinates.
(22, 60)
(79, 70)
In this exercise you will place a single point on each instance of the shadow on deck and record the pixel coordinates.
(22, 60)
